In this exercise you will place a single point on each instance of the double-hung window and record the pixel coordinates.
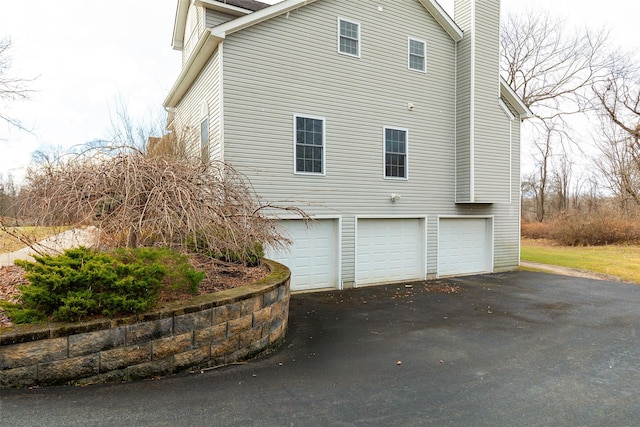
(395, 153)
(349, 37)
(417, 55)
(309, 145)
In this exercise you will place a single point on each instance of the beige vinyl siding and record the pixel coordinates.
(463, 121)
(483, 158)
(213, 18)
(492, 161)
(203, 91)
(192, 35)
(290, 65)
(507, 249)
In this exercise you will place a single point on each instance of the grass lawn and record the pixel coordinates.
(10, 244)
(622, 261)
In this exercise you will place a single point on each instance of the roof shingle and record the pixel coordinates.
(252, 5)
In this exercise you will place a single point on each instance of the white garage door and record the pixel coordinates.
(313, 256)
(464, 246)
(390, 250)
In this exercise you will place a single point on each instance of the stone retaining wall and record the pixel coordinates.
(208, 330)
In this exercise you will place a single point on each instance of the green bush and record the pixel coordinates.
(84, 282)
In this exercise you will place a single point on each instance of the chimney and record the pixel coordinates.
(478, 135)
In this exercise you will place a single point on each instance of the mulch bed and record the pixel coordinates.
(219, 276)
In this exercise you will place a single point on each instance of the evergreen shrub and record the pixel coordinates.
(83, 282)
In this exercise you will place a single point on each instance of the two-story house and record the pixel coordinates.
(385, 120)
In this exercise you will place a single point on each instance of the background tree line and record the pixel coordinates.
(585, 97)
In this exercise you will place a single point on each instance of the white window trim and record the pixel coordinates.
(324, 145)
(351, 21)
(384, 154)
(409, 40)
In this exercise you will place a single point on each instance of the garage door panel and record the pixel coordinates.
(313, 255)
(389, 250)
(464, 246)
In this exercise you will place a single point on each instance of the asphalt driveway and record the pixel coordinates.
(512, 349)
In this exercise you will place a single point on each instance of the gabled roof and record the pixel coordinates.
(251, 5)
(514, 101)
(230, 7)
(208, 43)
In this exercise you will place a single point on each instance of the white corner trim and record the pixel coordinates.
(472, 118)
(221, 97)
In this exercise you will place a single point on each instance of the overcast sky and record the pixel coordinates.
(85, 56)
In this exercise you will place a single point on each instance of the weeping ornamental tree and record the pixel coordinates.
(139, 200)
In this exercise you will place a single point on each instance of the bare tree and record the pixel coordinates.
(132, 132)
(549, 67)
(619, 100)
(139, 200)
(616, 164)
(560, 183)
(552, 69)
(543, 160)
(11, 88)
(8, 196)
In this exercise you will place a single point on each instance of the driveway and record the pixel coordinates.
(511, 349)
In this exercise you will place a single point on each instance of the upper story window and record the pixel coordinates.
(348, 37)
(395, 153)
(417, 55)
(309, 145)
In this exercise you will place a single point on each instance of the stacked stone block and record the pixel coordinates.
(209, 330)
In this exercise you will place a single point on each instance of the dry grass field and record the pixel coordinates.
(9, 243)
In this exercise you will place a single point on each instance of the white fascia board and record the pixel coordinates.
(510, 96)
(443, 19)
(202, 52)
(260, 16)
(177, 41)
(506, 110)
(213, 36)
(223, 7)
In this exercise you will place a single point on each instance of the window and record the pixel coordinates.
(309, 145)
(349, 37)
(395, 153)
(204, 139)
(417, 54)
